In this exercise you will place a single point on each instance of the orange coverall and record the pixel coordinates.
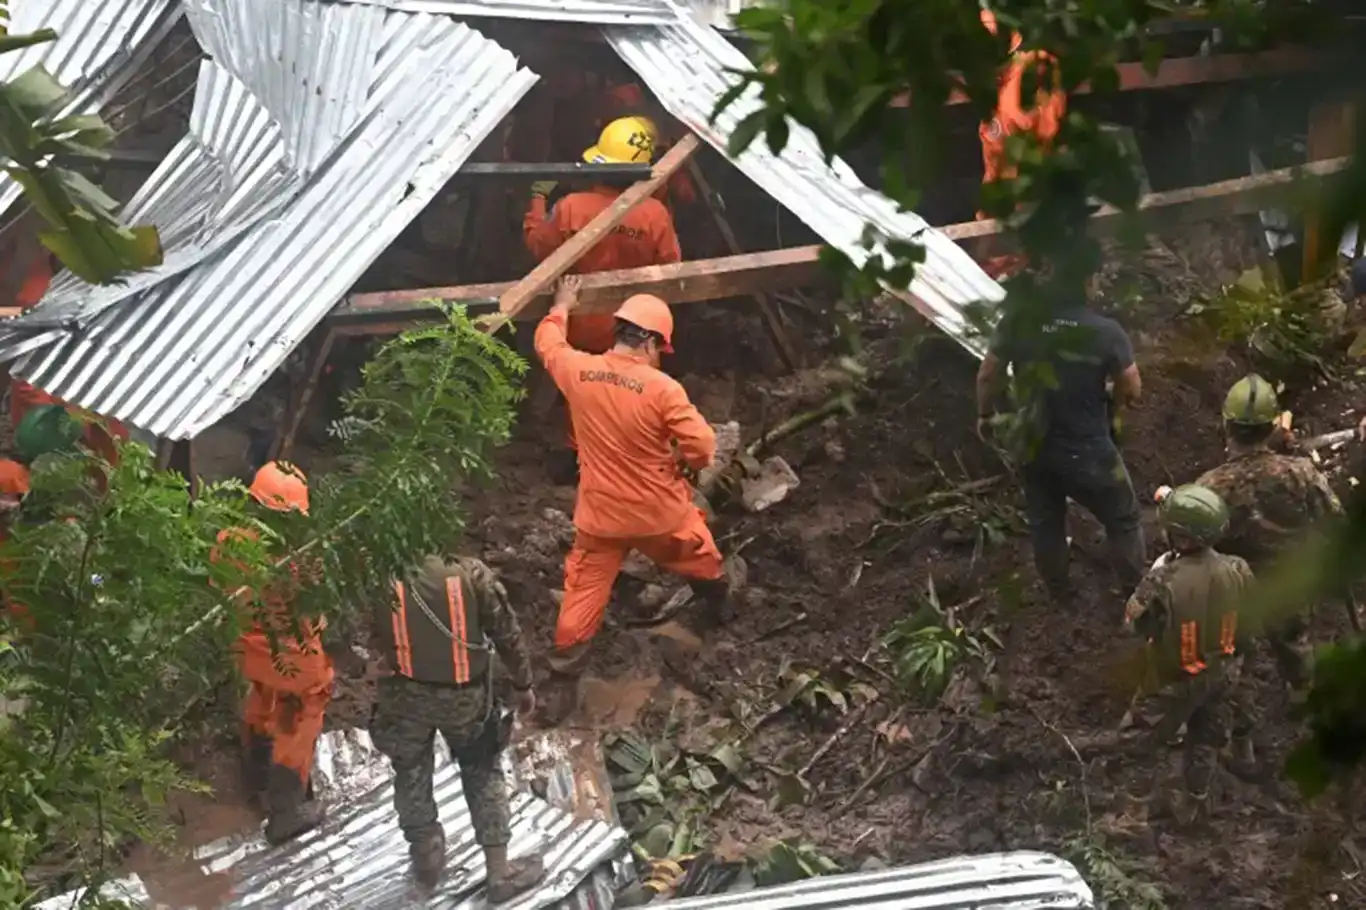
(1044, 120)
(286, 707)
(646, 237)
(628, 416)
(23, 396)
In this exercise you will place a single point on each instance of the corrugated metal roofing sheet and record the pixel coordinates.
(1022, 880)
(593, 12)
(231, 303)
(100, 44)
(685, 65)
(358, 858)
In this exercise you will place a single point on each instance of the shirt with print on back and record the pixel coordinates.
(1085, 350)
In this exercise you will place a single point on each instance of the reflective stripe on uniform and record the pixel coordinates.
(1228, 632)
(403, 646)
(1190, 648)
(455, 605)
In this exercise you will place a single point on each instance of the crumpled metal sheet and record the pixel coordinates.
(686, 65)
(304, 161)
(591, 12)
(359, 859)
(1021, 880)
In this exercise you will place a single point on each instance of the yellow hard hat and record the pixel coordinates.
(626, 140)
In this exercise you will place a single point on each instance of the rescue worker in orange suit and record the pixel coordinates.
(1043, 119)
(627, 99)
(638, 433)
(99, 435)
(645, 237)
(289, 688)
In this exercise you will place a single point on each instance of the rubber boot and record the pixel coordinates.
(428, 854)
(717, 597)
(256, 768)
(510, 877)
(291, 812)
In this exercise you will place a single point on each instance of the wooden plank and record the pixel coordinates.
(1176, 72)
(776, 333)
(746, 274)
(516, 298)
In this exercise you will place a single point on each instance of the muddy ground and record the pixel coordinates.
(992, 765)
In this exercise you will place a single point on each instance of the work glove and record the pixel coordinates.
(543, 188)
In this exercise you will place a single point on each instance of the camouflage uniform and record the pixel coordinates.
(1273, 500)
(436, 641)
(1187, 608)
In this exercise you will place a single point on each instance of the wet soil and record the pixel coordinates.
(848, 553)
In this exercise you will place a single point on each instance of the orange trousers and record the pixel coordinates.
(286, 707)
(591, 569)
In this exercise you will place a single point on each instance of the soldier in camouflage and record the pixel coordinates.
(1186, 607)
(1274, 499)
(438, 635)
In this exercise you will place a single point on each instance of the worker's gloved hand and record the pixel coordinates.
(543, 188)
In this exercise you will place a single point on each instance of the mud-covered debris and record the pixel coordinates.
(653, 597)
(638, 566)
(549, 537)
(727, 447)
(774, 481)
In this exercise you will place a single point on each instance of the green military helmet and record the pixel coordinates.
(45, 430)
(1195, 511)
(1251, 402)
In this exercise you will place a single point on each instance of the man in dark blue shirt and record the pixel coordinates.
(1073, 356)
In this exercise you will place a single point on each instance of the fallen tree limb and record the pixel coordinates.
(835, 737)
(844, 402)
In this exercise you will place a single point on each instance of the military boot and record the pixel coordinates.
(1243, 761)
(256, 748)
(428, 854)
(291, 812)
(510, 877)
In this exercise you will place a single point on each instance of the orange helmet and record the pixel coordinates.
(651, 313)
(13, 478)
(280, 486)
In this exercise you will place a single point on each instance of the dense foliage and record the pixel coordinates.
(117, 625)
(835, 69)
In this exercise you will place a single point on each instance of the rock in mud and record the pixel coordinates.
(637, 566)
(772, 484)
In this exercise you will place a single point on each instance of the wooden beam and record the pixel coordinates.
(388, 312)
(283, 445)
(683, 282)
(1176, 72)
(516, 298)
(772, 321)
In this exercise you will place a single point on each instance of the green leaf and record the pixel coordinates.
(35, 91)
(701, 777)
(745, 132)
(19, 42)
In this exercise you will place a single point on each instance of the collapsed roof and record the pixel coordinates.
(320, 129)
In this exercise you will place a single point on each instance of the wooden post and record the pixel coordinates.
(781, 343)
(562, 260)
(283, 447)
(1330, 136)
